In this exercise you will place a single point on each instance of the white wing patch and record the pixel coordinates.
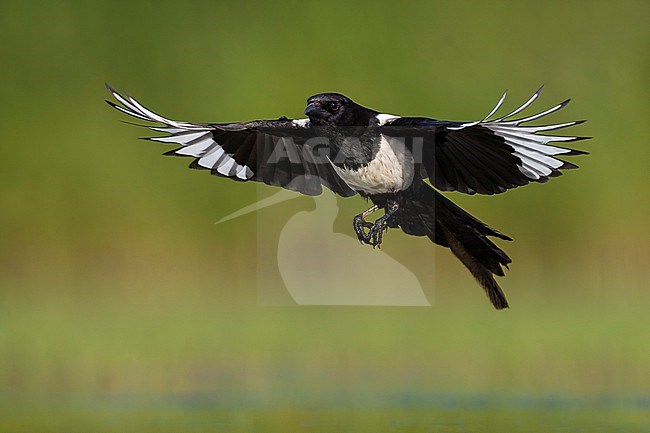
(534, 151)
(196, 140)
(385, 118)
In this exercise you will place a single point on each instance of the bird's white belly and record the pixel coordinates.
(389, 171)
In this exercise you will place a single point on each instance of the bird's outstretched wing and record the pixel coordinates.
(276, 152)
(486, 156)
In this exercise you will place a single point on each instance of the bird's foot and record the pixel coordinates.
(360, 224)
(375, 233)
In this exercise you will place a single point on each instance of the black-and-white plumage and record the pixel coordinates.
(351, 149)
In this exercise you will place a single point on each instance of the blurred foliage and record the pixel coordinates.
(114, 280)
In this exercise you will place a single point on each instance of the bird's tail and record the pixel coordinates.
(429, 213)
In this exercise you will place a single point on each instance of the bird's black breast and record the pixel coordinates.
(353, 147)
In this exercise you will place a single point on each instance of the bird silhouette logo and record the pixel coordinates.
(307, 261)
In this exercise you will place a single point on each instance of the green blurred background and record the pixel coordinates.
(124, 308)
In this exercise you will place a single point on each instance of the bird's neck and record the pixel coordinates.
(352, 147)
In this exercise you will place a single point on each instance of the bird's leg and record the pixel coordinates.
(377, 230)
(360, 223)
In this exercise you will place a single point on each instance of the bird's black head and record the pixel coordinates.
(334, 109)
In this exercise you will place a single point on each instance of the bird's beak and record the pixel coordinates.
(311, 107)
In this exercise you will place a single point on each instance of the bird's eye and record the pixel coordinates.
(333, 106)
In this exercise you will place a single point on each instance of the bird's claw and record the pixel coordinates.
(359, 225)
(375, 232)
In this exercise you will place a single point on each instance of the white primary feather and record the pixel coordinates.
(213, 158)
(226, 167)
(183, 138)
(522, 107)
(196, 140)
(532, 149)
(197, 149)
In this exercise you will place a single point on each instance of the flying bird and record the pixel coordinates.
(388, 159)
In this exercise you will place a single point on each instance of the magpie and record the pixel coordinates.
(398, 163)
